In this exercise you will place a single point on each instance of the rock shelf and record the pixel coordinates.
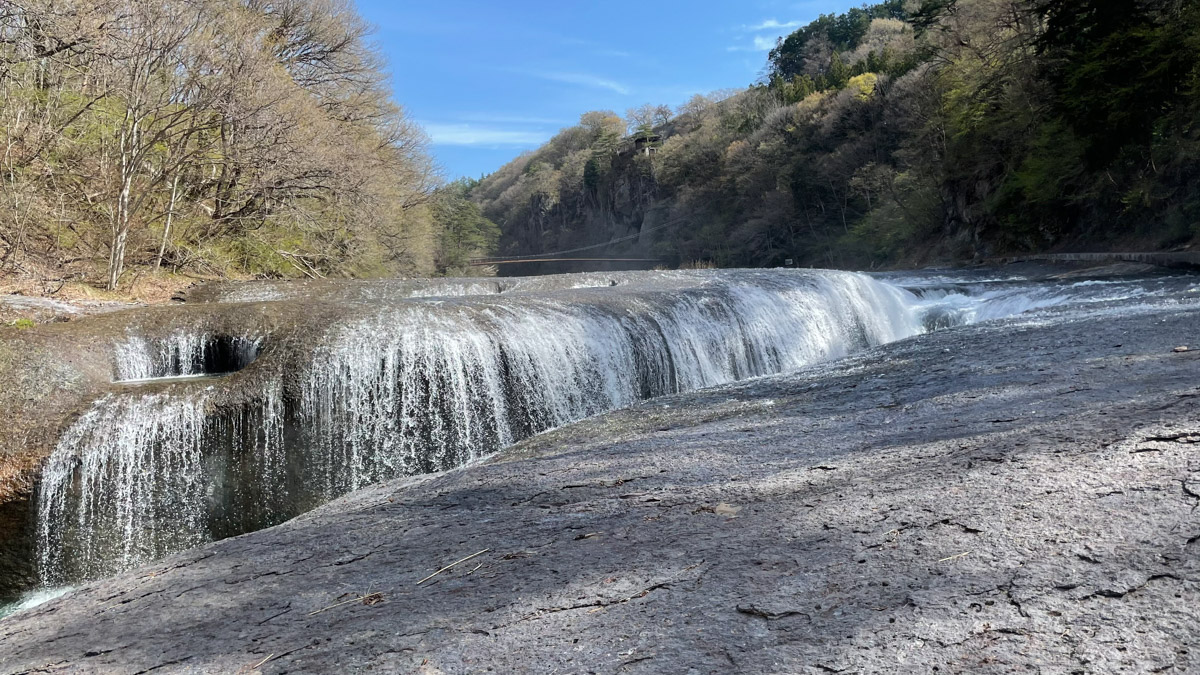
(991, 499)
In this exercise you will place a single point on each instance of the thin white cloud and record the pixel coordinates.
(761, 43)
(771, 24)
(597, 48)
(510, 119)
(472, 135)
(614, 53)
(585, 80)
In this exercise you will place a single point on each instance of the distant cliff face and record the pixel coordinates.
(589, 194)
(750, 180)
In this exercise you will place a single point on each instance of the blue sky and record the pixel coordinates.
(488, 80)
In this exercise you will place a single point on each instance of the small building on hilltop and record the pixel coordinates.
(641, 143)
(647, 144)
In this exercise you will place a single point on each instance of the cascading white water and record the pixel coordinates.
(108, 503)
(184, 353)
(421, 385)
(427, 386)
(136, 477)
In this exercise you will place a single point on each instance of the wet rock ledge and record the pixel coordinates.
(991, 499)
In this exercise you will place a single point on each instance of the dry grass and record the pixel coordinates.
(78, 285)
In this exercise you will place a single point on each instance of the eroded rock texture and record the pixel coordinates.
(1016, 497)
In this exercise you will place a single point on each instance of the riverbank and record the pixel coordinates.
(30, 299)
(986, 499)
(44, 294)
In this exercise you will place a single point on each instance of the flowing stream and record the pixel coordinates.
(425, 378)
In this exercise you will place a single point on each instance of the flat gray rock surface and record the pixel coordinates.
(1001, 498)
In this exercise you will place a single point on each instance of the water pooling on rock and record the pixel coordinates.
(399, 384)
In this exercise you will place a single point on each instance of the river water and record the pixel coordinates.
(428, 376)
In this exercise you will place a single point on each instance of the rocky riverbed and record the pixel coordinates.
(1009, 496)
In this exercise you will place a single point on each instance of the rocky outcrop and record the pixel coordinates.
(45, 375)
(990, 499)
(49, 374)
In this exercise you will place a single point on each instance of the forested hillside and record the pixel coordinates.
(904, 132)
(216, 137)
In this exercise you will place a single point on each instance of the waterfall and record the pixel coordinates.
(184, 353)
(414, 385)
(140, 475)
(427, 386)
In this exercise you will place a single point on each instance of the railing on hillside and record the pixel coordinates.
(479, 262)
(1187, 259)
(559, 256)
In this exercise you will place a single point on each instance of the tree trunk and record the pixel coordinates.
(162, 248)
(116, 259)
(121, 219)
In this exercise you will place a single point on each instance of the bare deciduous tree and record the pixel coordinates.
(183, 130)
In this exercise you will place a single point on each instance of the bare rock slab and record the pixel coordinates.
(994, 499)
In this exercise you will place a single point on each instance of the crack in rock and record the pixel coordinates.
(769, 615)
(1118, 594)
